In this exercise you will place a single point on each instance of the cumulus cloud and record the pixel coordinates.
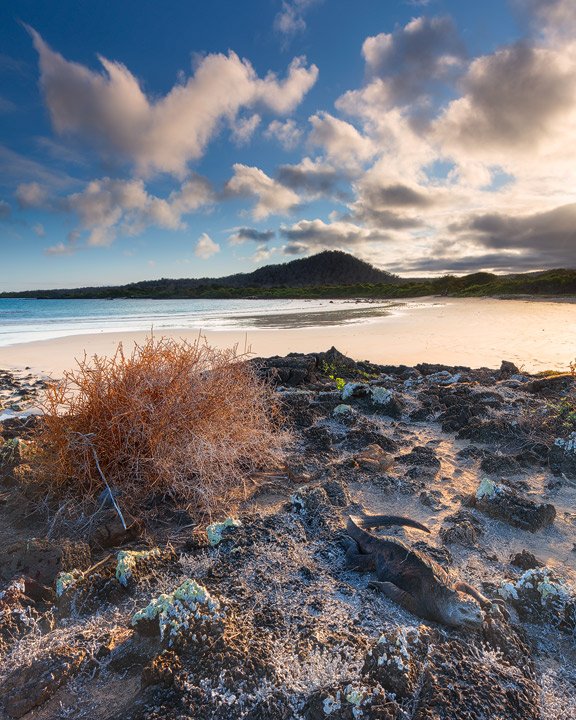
(273, 198)
(550, 18)
(108, 206)
(164, 134)
(412, 58)
(287, 133)
(550, 233)
(244, 128)
(206, 247)
(263, 253)
(342, 143)
(313, 178)
(240, 235)
(313, 235)
(514, 101)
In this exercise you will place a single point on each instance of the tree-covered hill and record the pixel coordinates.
(330, 274)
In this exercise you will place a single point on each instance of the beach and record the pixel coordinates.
(472, 332)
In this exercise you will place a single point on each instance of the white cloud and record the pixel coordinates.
(273, 198)
(206, 247)
(164, 134)
(340, 140)
(262, 254)
(242, 234)
(520, 99)
(290, 20)
(60, 249)
(408, 60)
(31, 195)
(287, 133)
(314, 235)
(39, 229)
(244, 128)
(107, 206)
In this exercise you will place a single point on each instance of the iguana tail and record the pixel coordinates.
(370, 521)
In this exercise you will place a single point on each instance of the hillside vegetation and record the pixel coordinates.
(327, 274)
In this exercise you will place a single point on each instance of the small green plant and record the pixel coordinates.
(331, 371)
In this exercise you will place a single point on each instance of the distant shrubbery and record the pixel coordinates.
(172, 420)
(331, 274)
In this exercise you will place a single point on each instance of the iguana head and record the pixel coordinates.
(462, 611)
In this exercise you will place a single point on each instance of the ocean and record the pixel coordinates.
(26, 320)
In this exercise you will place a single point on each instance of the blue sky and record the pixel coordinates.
(146, 139)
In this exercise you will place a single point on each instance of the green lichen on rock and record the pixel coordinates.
(215, 530)
(539, 595)
(343, 409)
(127, 561)
(66, 580)
(381, 396)
(487, 490)
(186, 608)
(331, 704)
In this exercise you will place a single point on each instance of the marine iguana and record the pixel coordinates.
(414, 581)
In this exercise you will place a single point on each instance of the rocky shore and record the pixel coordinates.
(258, 615)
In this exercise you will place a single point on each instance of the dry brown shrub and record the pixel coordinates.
(174, 420)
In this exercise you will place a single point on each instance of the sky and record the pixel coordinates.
(145, 139)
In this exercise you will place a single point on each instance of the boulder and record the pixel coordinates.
(42, 560)
(503, 504)
(507, 369)
(30, 687)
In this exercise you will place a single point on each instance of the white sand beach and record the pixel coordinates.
(475, 332)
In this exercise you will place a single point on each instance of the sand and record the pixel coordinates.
(474, 332)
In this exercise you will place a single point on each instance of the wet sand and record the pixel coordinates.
(474, 332)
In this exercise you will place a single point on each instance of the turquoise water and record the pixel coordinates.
(26, 320)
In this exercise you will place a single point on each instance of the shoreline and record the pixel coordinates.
(452, 332)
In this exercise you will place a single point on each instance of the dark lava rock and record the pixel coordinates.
(502, 432)
(18, 427)
(551, 387)
(465, 529)
(337, 493)
(420, 455)
(472, 452)
(316, 509)
(161, 670)
(366, 433)
(458, 684)
(20, 610)
(461, 534)
(500, 464)
(507, 369)
(319, 437)
(562, 462)
(539, 596)
(525, 560)
(293, 370)
(42, 560)
(514, 509)
(351, 701)
(297, 408)
(25, 689)
(395, 661)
